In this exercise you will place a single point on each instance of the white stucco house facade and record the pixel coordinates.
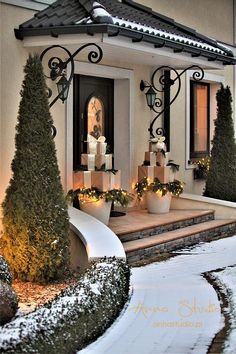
(181, 34)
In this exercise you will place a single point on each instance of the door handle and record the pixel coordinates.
(82, 142)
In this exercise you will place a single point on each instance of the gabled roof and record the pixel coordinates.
(123, 18)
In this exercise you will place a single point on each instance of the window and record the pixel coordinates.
(199, 119)
(198, 146)
(95, 117)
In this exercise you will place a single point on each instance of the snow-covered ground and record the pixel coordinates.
(227, 279)
(172, 309)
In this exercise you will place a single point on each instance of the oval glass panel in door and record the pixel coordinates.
(96, 117)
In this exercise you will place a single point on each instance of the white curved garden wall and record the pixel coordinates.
(91, 239)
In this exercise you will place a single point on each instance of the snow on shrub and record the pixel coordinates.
(75, 317)
(8, 297)
(5, 273)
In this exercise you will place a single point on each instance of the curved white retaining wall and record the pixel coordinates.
(98, 239)
(223, 209)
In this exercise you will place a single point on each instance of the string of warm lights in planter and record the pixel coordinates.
(202, 168)
(119, 196)
(158, 195)
(145, 185)
(97, 203)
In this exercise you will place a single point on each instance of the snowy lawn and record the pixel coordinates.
(173, 309)
(227, 279)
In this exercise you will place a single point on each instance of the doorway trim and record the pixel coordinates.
(123, 120)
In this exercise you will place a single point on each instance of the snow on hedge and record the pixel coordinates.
(5, 273)
(79, 313)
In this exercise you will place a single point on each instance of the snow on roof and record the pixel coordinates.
(123, 18)
(166, 35)
(99, 11)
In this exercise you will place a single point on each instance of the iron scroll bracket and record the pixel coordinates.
(58, 68)
(163, 85)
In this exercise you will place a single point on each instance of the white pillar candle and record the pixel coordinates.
(91, 162)
(87, 179)
(92, 147)
(115, 180)
(167, 158)
(108, 161)
(112, 180)
(101, 148)
(154, 147)
(153, 159)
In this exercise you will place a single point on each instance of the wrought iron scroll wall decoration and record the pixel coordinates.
(164, 83)
(58, 69)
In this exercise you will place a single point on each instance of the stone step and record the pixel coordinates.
(141, 224)
(169, 241)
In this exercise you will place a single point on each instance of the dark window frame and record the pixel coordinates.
(198, 154)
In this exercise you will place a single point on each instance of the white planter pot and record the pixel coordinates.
(100, 209)
(157, 204)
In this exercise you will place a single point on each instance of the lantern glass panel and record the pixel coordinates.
(151, 97)
(63, 88)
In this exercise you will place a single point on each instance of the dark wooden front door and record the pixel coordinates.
(93, 113)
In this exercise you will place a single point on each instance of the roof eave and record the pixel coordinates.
(56, 31)
(135, 36)
(184, 28)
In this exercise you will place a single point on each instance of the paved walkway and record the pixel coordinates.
(173, 309)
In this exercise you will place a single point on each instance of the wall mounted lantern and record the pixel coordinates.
(63, 88)
(158, 91)
(58, 69)
(150, 94)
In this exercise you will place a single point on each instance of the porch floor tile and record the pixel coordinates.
(139, 220)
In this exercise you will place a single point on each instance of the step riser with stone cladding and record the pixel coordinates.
(164, 228)
(175, 244)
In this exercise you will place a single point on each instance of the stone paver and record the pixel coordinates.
(174, 235)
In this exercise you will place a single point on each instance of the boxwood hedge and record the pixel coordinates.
(74, 318)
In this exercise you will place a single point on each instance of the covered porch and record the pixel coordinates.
(135, 41)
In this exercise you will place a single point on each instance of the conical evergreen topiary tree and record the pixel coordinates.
(221, 178)
(35, 218)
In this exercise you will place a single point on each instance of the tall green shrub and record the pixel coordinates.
(221, 179)
(35, 218)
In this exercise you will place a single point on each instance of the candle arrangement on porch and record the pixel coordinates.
(156, 178)
(98, 185)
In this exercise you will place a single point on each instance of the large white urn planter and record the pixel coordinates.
(157, 204)
(99, 209)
